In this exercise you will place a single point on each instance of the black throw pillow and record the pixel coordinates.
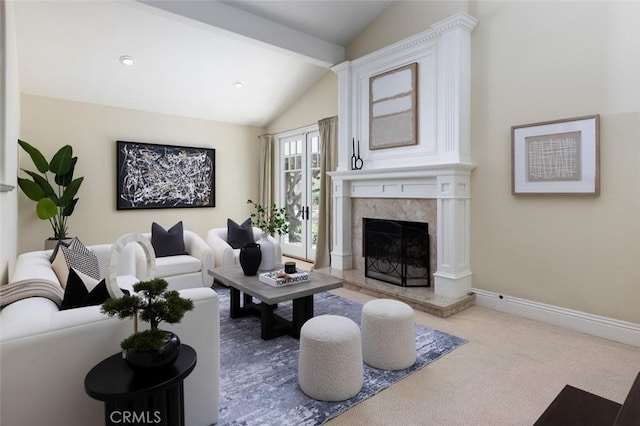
(168, 243)
(239, 235)
(76, 294)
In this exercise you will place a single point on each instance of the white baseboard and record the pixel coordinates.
(608, 328)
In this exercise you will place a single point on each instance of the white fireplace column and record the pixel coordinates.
(453, 275)
(345, 103)
(342, 254)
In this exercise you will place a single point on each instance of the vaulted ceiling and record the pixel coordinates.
(189, 56)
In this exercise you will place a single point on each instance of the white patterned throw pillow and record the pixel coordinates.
(77, 256)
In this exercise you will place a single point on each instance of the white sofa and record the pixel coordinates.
(224, 254)
(46, 353)
(183, 271)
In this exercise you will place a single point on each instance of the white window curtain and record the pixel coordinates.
(265, 193)
(328, 128)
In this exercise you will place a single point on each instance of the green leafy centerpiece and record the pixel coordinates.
(152, 303)
(271, 220)
(55, 195)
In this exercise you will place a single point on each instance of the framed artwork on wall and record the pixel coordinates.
(151, 176)
(556, 157)
(393, 115)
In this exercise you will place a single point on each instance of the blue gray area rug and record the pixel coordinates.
(258, 379)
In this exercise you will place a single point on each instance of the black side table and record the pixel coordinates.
(135, 399)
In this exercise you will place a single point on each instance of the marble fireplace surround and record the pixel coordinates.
(407, 209)
(418, 182)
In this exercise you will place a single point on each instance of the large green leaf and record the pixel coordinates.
(70, 192)
(31, 189)
(38, 159)
(68, 210)
(62, 161)
(42, 182)
(46, 209)
(66, 179)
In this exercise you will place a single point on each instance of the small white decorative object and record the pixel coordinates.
(281, 279)
(112, 266)
(268, 250)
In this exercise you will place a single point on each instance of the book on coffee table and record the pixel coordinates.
(280, 278)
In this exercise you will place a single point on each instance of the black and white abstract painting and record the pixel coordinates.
(155, 176)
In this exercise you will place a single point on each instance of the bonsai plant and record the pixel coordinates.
(271, 220)
(152, 348)
(55, 195)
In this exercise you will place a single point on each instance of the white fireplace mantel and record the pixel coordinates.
(437, 167)
(399, 182)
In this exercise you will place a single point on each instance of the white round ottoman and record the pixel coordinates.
(330, 359)
(388, 334)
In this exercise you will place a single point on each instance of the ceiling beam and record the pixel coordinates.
(256, 28)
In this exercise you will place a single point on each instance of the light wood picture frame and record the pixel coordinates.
(393, 108)
(556, 157)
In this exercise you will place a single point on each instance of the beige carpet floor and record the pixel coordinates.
(507, 374)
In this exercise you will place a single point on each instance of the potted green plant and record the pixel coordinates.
(54, 189)
(271, 220)
(152, 348)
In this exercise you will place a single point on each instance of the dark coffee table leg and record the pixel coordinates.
(267, 322)
(302, 312)
(247, 308)
(247, 299)
(272, 325)
(234, 303)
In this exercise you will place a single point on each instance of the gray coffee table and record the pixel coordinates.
(272, 325)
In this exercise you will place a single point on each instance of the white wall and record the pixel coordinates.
(93, 130)
(321, 101)
(538, 61)
(531, 62)
(401, 20)
(9, 124)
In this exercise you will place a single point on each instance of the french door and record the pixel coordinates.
(300, 191)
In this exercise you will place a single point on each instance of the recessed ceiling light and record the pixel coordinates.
(238, 84)
(127, 60)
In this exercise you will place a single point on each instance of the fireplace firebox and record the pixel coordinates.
(396, 251)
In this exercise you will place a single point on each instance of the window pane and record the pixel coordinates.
(293, 188)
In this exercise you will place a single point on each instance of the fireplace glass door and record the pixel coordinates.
(397, 251)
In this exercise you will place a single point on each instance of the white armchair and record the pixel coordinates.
(182, 271)
(224, 254)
